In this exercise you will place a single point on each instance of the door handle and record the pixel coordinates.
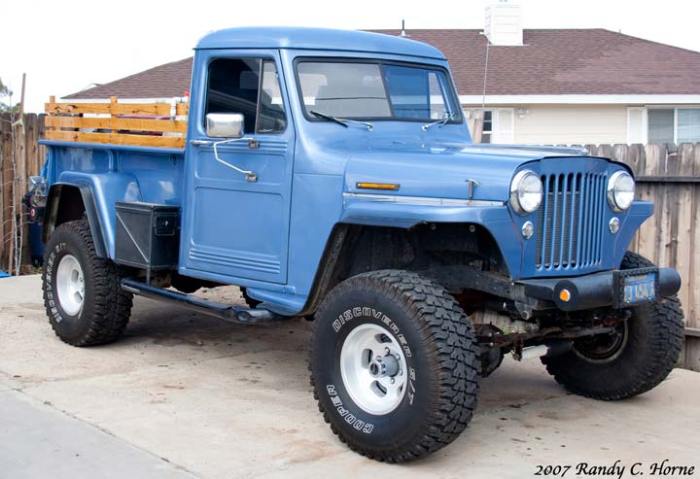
(249, 175)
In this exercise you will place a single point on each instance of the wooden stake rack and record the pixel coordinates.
(139, 124)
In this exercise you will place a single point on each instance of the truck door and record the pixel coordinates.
(233, 227)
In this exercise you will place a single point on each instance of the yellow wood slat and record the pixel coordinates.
(116, 138)
(182, 109)
(138, 124)
(154, 109)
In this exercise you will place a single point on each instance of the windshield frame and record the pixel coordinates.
(450, 93)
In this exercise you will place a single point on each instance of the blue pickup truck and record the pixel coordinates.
(331, 175)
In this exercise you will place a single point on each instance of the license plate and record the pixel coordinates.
(639, 288)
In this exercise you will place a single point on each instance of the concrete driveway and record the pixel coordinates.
(183, 395)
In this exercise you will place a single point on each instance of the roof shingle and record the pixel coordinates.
(551, 62)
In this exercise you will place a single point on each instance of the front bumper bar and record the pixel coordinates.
(597, 290)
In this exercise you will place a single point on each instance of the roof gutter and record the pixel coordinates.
(580, 99)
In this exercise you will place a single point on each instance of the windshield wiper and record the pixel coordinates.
(341, 121)
(329, 118)
(441, 122)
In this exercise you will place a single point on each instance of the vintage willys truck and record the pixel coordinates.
(331, 175)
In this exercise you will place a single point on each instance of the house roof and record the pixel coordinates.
(551, 62)
(164, 81)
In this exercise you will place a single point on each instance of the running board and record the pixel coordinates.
(227, 312)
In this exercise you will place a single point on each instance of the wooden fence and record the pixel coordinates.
(20, 157)
(668, 175)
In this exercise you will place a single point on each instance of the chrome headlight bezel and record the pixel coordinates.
(621, 183)
(523, 185)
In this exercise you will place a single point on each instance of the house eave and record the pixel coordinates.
(478, 100)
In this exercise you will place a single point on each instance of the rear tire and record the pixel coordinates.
(394, 365)
(82, 293)
(638, 359)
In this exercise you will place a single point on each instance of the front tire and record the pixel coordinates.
(82, 293)
(394, 365)
(634, 360)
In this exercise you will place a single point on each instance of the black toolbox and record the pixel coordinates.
(147, 235)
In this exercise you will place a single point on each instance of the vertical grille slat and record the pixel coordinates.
(594, 207)
(581, 213)
(570, 231)
(572, 222)
(555, 234)
(541, 244)
(565, 239)
(600, 227)
(596, 225)
(588, 227)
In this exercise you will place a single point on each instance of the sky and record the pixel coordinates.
(65, 46)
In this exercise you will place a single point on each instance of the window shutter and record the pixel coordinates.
(636, 125)
(503, 126)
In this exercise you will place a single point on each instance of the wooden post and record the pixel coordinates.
(19, 181)
(3, 188)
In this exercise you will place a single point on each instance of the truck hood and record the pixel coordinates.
(441, 170)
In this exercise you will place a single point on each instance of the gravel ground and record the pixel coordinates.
(183, 395)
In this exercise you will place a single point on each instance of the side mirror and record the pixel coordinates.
(225, 125)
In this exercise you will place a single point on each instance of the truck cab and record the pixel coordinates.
(331, 175)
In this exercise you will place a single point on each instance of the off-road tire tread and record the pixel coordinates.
(449, 335)
(111, 305)
(664, 350)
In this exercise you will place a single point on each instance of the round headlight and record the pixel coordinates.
(620, 190)
(526, 192)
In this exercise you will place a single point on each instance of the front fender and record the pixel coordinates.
(491, 215)
(638, 213)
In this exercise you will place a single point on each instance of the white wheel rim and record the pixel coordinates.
(70, 285)
(373, 368)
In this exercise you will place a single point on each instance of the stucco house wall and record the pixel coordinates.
(570, 124)
(576, 123)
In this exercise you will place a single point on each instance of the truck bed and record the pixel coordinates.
(108, 173)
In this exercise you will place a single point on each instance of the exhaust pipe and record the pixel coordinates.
(533, 352)
(552, 348)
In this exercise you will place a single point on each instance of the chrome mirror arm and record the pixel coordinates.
(249, 175)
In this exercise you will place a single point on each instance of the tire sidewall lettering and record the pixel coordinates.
(69, 325)
(50, 270)
(363, 312)
(338, 400)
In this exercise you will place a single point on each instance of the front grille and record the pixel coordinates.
(570, 230)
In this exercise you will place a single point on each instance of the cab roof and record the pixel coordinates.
(317, 39)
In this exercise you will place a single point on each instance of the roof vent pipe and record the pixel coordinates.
(403, 28)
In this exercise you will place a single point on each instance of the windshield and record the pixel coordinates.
(376, 91)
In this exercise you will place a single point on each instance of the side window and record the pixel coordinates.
(438, 108)
(235, 86)
(271, 118)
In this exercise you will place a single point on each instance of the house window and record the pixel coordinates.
(487, 129)
(673, 125)
(497, 125)
(688, 130)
